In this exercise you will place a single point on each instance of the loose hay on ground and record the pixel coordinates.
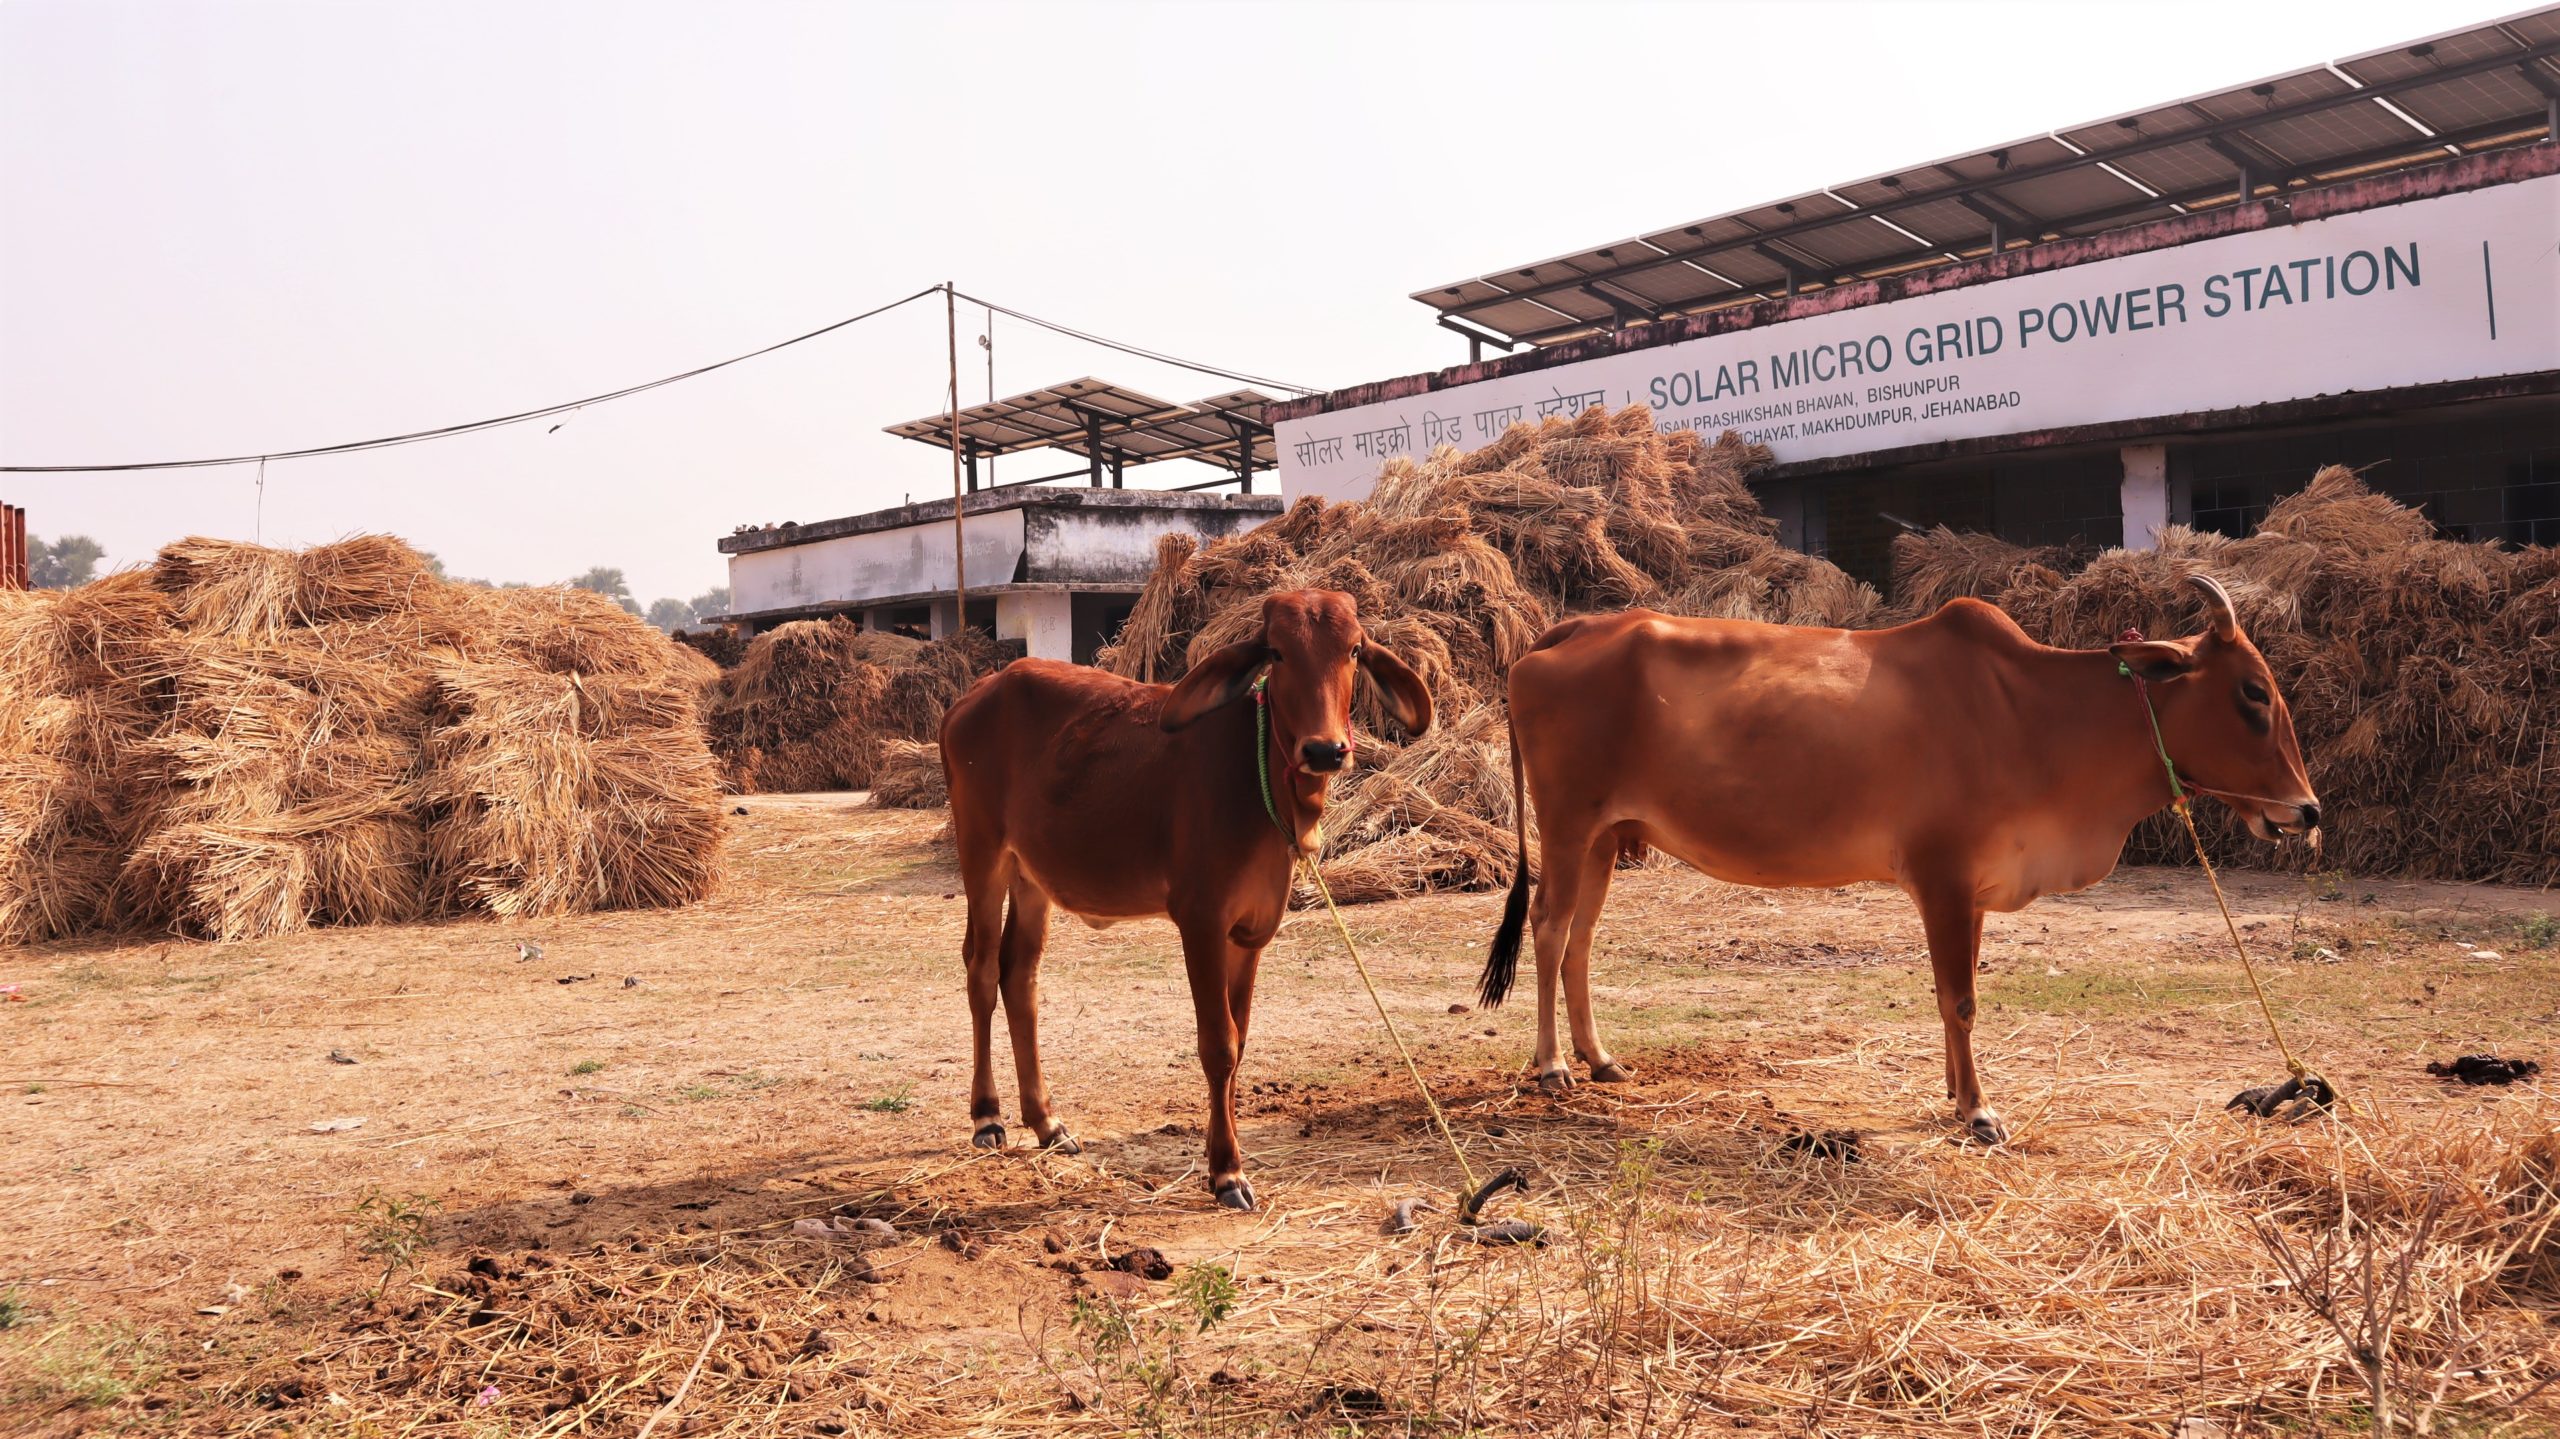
(2116, 1281)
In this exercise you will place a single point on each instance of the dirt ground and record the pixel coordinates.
(427, 1180)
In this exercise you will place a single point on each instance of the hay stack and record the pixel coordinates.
(2421, 672)
(555, 792)
(1458, 563)
(279, 739)
(71, 710)
(812, 704)
(723, 645)
(910, 776)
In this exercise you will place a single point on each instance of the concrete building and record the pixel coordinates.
(1054, 565)
(2170, 315)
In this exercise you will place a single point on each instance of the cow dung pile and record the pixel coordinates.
(812, 704)
(239, 741)
(2423, 673)
(1458, 562)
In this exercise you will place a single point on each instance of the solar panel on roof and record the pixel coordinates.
(2291, 130)
(1131, 427)
(1040, 419)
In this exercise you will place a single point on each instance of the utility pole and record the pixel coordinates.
(959, 536)
(987, 342)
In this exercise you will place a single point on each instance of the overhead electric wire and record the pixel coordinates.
(497, 421)
(447, 431)
(1142, 353)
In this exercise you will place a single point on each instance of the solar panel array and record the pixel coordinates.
(1089, 416)
(2480, 88)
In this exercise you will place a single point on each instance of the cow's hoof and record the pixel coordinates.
(1236, 1194)
(989, 1136)
(1556, 1081)
(1611, 1073)
(1987, 1129)
(1062, 1142)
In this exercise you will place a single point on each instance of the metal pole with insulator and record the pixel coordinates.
(959, 497)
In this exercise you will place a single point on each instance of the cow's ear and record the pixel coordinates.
(1405, 692)
(1218, 680)
(2154, 660)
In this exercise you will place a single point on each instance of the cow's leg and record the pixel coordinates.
(1220, 969)
(1598, 865)
(1551, 917)
(1026, 930)
(1954, 926)
(982, 944)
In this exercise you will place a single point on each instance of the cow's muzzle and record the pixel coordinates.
(1324, 756)
(2275, 821)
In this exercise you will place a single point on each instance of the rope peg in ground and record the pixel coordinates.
(2306, 1094)
(1472, 1225)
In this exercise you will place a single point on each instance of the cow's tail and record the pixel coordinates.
(1504, 961)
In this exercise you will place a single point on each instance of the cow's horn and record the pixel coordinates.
(2226, 620)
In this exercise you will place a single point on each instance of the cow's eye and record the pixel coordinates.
(2255, 692)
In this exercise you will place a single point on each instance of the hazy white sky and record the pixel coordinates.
(232, 227)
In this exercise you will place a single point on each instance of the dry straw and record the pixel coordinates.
(812, 705)
(2423, 674)
(242, 741)
(910, 776)
(2135, 1276)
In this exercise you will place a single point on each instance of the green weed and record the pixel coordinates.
(392, 1229)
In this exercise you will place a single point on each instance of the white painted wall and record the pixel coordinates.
(2144, 494)
(915, 559)
(1044, 620)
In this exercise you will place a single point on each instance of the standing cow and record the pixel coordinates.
(1115, 800)
(1953, 757)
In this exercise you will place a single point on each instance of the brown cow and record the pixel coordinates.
(1115, 800)
(1953, 757)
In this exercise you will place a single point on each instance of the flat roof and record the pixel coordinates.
(751, 538)
(2479, 88)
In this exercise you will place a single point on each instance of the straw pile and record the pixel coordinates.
(812, 705)
(1458, 563)
(241, 741)
(70, 710)
(910, 776)
(2423, 674)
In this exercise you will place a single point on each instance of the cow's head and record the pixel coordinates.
(1311, 645)
(2223, 721)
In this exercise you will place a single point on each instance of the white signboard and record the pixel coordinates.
(2454, 288)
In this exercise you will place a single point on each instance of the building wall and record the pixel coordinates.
(2439, 288)
(1094, 545)
(913, 559)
